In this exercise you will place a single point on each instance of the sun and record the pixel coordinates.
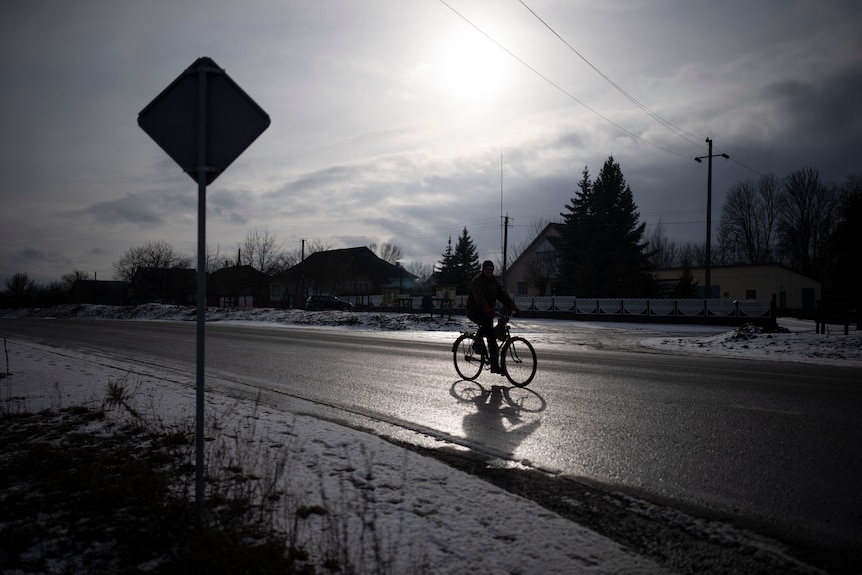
(470, 67)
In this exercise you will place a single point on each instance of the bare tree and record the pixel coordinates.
(214, 260)
(845, 245)
(808, 211)
(423, 271)
(261, 250)
(69, 279)
(387, 252)
(663, 250)
(155, 254)
(692, 254)
(21, 290)
(748, 221)
(541, 269)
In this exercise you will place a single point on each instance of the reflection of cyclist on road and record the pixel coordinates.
(485, 291)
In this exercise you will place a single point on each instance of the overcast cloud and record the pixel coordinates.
(390, 117)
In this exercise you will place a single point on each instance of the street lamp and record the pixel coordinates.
(708, 286)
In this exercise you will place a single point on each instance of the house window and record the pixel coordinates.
(522, 288)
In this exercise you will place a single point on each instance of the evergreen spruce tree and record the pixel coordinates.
(458, 267)
(686, 288)
(575, 239)
(446, 275)
(466, 262)
(603, 246)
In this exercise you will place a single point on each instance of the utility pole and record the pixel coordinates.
(505, 247)
(707, 267)
(302, 274)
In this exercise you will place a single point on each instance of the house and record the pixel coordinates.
(175, 286)
(238, 286)
(348, 272)
(534, 272)
(99, 292)
(790, 289)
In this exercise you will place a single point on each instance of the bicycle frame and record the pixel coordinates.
(517, 357)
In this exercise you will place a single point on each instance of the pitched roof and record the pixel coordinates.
(551, 232)
(241, 273)
(347, 262)
(160, 275)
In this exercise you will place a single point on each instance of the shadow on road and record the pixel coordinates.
(499, 420)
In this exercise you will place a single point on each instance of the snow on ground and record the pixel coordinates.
(796, 340)
(424, 512)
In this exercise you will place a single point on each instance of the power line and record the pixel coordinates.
(561, 89)
(681, 133)
(675, 129)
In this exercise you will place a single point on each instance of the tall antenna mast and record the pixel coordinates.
(501, 194)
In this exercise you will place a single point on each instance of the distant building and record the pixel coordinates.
(344, 272)
(535, 272)
(99, 292)
(790, 289)
(239, 286)
(174, 286)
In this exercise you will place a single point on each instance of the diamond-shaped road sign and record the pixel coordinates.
(204, 121)
(232, 121)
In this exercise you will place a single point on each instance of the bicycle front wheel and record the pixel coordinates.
(468, 363)
(518, 360)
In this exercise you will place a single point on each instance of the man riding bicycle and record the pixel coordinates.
(484, 292)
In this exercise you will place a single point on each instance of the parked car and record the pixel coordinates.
(321, 302)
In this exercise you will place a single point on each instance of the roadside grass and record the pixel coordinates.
(110, 489)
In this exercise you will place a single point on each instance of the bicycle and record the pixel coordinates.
(517, 356)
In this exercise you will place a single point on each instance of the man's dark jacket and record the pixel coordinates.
(484, 292)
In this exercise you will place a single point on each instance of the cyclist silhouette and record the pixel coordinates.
(484, 292)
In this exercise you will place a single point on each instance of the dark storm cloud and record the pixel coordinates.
(832, 107)
(821, 125)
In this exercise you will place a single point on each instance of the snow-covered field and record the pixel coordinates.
(425, 513)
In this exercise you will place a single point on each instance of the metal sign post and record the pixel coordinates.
(200, 329)
(204, 121)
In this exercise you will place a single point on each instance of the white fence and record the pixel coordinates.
(610, 308)
(703, 308)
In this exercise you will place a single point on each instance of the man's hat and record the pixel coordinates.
(487, 263)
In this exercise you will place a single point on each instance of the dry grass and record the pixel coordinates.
(81, 494)
(110, 489)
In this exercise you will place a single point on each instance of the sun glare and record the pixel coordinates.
(470, 67)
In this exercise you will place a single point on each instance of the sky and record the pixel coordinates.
(406, 122)
(454, 521)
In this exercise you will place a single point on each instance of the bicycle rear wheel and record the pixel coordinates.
(468, 363)
(518, 360)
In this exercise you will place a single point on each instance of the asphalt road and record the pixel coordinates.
(775, 445)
